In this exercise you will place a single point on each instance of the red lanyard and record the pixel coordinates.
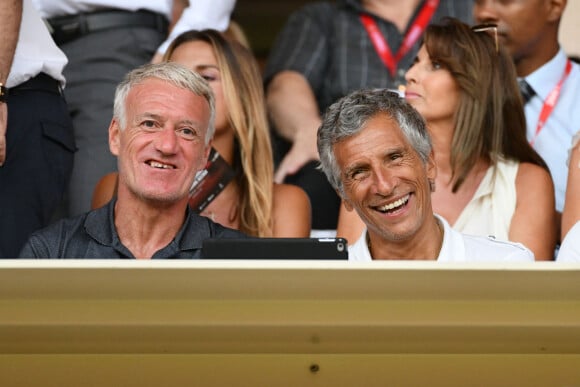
(415, 32)
(551, 101)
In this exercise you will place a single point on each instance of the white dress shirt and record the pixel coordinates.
(52, 8)
(200, 14)
(35, 50)
(458, 247)
(556, 135)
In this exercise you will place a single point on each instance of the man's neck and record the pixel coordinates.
(544, 51)
(398, 12)
(425, 245)
(145, 229)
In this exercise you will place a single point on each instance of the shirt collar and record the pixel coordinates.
(545, 78)
(100, 225)
(452, 248)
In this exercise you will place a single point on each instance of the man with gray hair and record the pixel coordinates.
(161, 132)
(376, 152)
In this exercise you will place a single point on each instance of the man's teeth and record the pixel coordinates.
(394, 204)
(156, 164)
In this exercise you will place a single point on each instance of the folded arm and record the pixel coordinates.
(295, 114)
(534, 222)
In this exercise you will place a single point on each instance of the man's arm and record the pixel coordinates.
(176, 11)
(11, 16)
(295, 114)
(198, 15)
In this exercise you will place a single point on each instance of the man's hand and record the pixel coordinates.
(295, 114)
(3, 124)
(157, 58)
(302, 151)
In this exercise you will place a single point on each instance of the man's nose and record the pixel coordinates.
(383, 182)
(166, 141)
(484, 11)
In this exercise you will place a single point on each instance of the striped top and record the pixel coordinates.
(328, 44)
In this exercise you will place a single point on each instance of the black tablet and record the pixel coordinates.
(276, 248)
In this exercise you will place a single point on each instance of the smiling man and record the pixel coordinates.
(376, 153)
(161, 131)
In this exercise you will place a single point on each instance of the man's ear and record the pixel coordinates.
(555, 10)
(206, 152)
(114, 134)
(345, 201)
(431, 170)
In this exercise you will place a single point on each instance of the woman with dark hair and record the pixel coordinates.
(489, 180)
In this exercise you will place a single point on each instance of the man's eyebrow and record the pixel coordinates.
(194, 123)
(397, 149)
(353, 167)
(147, 115)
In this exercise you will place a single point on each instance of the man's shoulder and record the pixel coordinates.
(219, 231)
(66, 226)
(51, 241)
(201, 227)
(458, 246)
(489, 249)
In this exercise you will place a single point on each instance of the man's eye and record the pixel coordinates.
(357, 174)
(187, 133)
(148, 124)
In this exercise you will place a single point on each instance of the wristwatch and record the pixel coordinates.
(3, 92)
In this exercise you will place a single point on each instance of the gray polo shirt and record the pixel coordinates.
(93, 235)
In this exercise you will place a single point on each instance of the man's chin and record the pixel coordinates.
(397, 234)
(162, 198)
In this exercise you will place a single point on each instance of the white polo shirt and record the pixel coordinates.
(570, 247)
(458, 247)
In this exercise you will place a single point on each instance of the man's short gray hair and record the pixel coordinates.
(347, 116)
(174, 74)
